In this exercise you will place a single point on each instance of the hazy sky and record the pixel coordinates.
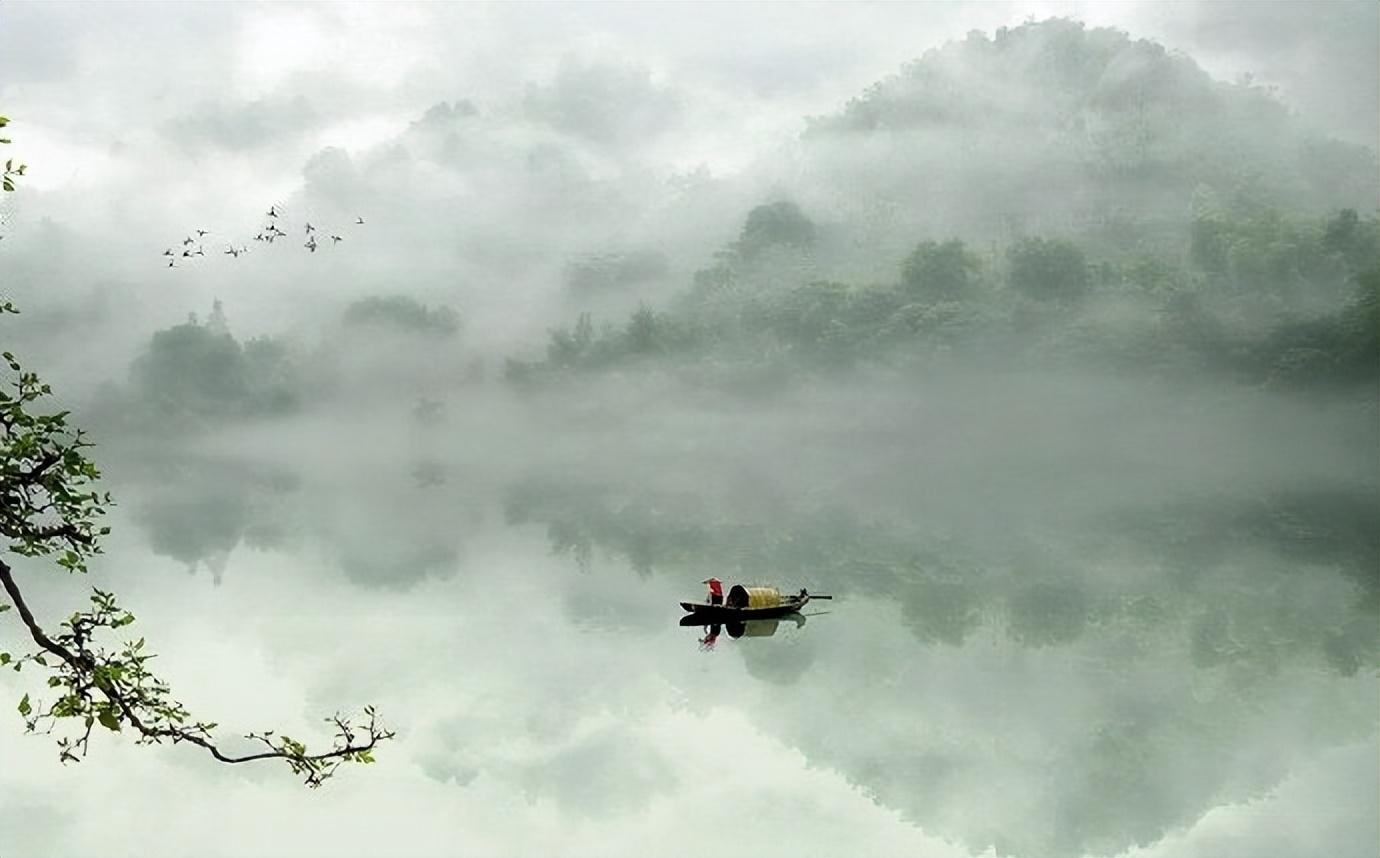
(561, 129)
(194, 100)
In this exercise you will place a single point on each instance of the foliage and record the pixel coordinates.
(46, 501)
(402, 313)
(610, 271)
(939, 272)
(200, 372)
(1166, 311)
(12, 170)
(778, 224)
(49, 508)
(1048, 270)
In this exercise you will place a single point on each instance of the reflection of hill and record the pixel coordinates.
(392, 535)
(784, 659)
(200, 511)
(1077, 691)
(1045, 591)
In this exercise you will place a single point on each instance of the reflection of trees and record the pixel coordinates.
(393, 535)
(1080, 692)
(780, 662)
(200, 511)
(1228, 560)
(1244, 554)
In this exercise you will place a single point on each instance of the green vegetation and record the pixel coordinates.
(611, 272)
(196, 372)
(1251, 295)
(403, 314)
(1048, 195)
(12, 170)
(48, 507)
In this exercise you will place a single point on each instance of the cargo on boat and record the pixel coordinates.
(748, 603)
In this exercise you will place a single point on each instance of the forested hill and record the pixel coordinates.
(1050, 194)
(1054, 126)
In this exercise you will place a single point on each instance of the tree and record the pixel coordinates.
(11, 169)
(939, 272)
(780, 223)
(1355, 240)
(1048, 269)
(48, 507)
(644, 331)
(200, 371)
(404, 314)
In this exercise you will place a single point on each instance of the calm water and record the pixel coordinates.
(1154, 635)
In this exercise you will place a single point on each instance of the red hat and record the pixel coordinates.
(709, 580)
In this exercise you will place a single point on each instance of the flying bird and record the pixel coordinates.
(189, 240)
(310, 229)
(201, 232)
(168, 252)
(359, 219)
(272, 211)
(172, 263)
(335, 239)
(311, 245)
(232, 251)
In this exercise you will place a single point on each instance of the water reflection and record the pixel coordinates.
(745, 628)
(197, 511)
(1121, 686)
(1074, 689)
(397, 532)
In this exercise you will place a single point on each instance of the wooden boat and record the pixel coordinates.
(748, 603)
(727, 614)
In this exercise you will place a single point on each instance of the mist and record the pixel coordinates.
(432, 354)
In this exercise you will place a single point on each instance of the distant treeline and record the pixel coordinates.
(198, 373)
(1251, 293)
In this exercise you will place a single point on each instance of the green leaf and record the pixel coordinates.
(24, 707)
(108, 720)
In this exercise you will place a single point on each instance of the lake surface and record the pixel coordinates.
(1070, 619)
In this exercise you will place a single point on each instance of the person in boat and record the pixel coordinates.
(716, 591)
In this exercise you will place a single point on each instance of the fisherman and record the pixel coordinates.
(716, 591)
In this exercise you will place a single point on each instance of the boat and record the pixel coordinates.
(747, 603)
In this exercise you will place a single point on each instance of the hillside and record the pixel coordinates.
(1052, 126)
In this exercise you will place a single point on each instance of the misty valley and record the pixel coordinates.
(1053, 359)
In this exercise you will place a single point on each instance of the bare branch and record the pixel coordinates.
(128, 694)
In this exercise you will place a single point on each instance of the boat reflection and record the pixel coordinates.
(740, 628)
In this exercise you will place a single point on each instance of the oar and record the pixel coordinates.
(813, 596)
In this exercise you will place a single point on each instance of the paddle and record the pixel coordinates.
(813, 596)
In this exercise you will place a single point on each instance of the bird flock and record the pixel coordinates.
(178, 256)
